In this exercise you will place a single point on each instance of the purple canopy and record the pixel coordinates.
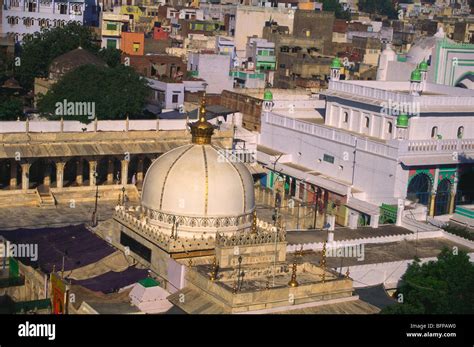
(110, 282)
(78, 245)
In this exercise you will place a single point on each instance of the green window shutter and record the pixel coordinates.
(14, 268)
(111, 43)
(111, 26)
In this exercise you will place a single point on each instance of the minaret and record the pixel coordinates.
(415, 83)
(202, 130)
(402, 126)
(335, 69)
(423, 67)
(267, 101)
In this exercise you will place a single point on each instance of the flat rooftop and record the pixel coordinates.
(388, 252)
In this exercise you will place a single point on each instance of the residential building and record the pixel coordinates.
(24, 17)
(133, 43)
(112, 27)
(212, 68)
(374, 143)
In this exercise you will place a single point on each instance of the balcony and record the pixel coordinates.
(436, 147)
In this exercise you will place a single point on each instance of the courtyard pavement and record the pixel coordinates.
(35, 217)
(343, 233)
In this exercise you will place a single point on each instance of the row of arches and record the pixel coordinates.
(420, 189)
(76, 172)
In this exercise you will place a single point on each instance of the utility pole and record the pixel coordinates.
(315, 208)
(95, 219)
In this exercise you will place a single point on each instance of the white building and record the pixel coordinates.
(448, 62)
(213, 68)
(23, 17)
(365, 149)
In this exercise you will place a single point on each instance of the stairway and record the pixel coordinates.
(46, 197)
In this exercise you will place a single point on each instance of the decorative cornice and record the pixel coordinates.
(198, 222)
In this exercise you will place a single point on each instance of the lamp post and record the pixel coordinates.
(95, 219)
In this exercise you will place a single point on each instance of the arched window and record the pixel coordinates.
(390, 127)
(460, 132)
(367, 121)
(346, 117)
(434, 132)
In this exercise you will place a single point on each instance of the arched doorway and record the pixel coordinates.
(133, 169)
(108, 170)
(465, 189)
(442, 197)
(146, 165)
(70, 172)
(40, 170)
(419, 189)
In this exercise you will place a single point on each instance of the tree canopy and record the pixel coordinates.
(114, 93)
(382, 7)
(11, 107)
(39, 49)
(336, 7)
(445, 286)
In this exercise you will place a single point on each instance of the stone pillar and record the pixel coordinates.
(124, 172)
(400, 209)
(60, 173)
(432, 204)
(374, 221)
(13, 174)
(79, 170)
(454, 190)
(452, 200)
(25, 176)
(110, 171)
(92, 171)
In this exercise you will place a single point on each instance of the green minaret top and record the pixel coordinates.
(402, 121)
(415, 76)
(423, 67)
(336, 64)
(268, 95)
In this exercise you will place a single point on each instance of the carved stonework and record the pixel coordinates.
(199, 222)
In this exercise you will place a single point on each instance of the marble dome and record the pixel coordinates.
(198, 187)
(196, 180)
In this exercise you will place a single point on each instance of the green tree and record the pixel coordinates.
(114, 92)
(39, 49)
(382, 7)
(10, 107)
(111, 56)
(336, 7)
(445, 286)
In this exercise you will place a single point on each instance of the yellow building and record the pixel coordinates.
(134, 13)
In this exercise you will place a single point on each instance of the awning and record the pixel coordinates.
(363, 206)
(436, 160)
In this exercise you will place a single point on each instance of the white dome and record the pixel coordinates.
(197, 181)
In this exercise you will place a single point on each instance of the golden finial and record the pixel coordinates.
(323, 276)
(323, 257)
(190, 262)
(293, 282)
(234, 288)
(202, 130)
(202, 108)
(267, 285)
(254, 222)
(213, 275)
(347, 273)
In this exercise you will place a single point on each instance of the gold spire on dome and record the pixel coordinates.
(293, 282)
(254, 222)
(202, 130)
